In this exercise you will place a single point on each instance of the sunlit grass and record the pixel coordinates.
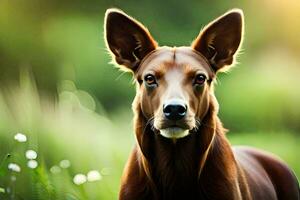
(60, 149)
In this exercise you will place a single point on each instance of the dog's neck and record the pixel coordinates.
(203, 159)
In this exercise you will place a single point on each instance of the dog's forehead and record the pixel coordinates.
(166, 58)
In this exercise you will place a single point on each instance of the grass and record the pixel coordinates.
(70, 129)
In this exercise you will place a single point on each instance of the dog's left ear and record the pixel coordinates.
(220, 40)
(127, 39)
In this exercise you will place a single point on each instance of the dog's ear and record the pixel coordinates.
(127, 39)
(220, 40)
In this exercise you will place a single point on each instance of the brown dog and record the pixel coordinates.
(182, 152)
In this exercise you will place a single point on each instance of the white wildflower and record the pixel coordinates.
(31, 154)
(14, 167)
(55, 169)
(20, 137)
(32, 164)
(79, 179)
(94, 175)
(65, 164)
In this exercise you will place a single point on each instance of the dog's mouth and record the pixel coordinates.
(174, 132)
(174, 129)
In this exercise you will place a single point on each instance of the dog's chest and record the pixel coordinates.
(176, 175)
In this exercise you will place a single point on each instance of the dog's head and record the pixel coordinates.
(174, 84)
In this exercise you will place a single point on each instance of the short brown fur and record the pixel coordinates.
(202, 164)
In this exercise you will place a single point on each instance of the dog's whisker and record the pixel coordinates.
(150, 122)
(199, 123)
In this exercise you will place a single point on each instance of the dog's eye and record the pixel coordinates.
(200, 79)
(150, 79)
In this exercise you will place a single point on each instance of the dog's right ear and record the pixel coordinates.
(127, 39)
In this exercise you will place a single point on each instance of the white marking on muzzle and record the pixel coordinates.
(174, 132)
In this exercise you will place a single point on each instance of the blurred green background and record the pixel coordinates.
(58, 88)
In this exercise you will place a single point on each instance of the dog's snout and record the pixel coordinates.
(174, 110)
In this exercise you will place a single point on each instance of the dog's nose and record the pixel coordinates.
(174, 111)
